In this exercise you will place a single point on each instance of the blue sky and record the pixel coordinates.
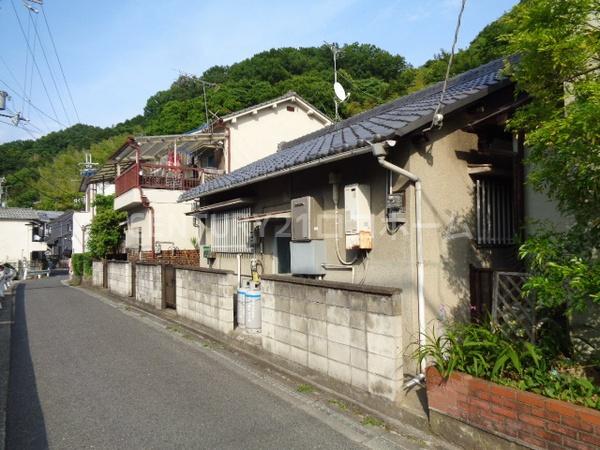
(117, 53)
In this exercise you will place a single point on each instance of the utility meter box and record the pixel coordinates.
(307, 258)
(307, 219)
(357, 223)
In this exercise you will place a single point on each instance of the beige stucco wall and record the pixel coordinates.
(172, 227)
(254, 136)
(16, 242)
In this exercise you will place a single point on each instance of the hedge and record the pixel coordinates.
(82, 264)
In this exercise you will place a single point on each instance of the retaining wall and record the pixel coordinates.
(148, 284)
(351, 333)
(97, 273)
(119, 278)
(476, 413)
(206, 296)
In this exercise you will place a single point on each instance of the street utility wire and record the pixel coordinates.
(16, 93)
(34, 60)
(50, 71)
(440, 105)
(62, 71)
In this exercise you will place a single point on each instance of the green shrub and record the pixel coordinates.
(481, 350)
(77, 264)
(87, 264)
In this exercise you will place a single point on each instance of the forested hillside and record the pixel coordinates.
(45, 173)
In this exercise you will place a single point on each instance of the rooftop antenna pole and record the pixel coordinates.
(340, 94)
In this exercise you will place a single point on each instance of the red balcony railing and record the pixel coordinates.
(155, 176)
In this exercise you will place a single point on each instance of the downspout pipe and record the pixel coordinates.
(380, 152)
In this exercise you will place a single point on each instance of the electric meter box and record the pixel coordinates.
(307, 219)
(307, 258)
(357, 219)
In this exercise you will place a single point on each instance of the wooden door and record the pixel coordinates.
(169, 286)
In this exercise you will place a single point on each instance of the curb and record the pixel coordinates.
(403, 421)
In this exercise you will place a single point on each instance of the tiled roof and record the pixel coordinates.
(27, 214)
(396, 118)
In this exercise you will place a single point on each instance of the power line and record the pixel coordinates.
(33, 58)
(32, 105)
(60, 64)
(438, 118)
(49, 67)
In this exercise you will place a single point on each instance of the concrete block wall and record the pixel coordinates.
(119, 278)
(350, 333)
(206, 296)
(97, 273)
(148, 284)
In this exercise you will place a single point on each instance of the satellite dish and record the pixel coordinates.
(340, 92)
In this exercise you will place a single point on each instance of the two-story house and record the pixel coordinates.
(153, 171)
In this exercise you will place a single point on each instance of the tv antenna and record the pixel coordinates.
(340, 93)
(88, 168)
(204, 84)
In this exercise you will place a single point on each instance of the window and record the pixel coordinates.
(495, 211)
(291, 109)
(228, 234)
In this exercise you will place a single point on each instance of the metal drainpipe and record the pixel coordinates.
(380, 152)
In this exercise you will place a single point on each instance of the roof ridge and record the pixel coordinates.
(397, 117)
(417, 95)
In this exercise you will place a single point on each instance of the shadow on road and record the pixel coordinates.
(25, 426)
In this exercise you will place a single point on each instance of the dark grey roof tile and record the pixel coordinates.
(384, 120)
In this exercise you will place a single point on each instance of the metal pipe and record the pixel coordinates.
(239, 270)
(380, 153)
(327, 266)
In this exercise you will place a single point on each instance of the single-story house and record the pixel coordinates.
(384, 198)
(153, 171)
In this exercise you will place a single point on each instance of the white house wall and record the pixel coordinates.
(255, 136)
(171, 226)
(80, 220)
(16, 242)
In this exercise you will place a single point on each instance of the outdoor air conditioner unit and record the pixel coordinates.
(357, 223)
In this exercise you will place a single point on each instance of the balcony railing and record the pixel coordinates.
(155, 176)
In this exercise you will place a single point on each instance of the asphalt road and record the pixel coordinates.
(85, 374)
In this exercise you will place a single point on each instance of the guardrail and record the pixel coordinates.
(6, 278)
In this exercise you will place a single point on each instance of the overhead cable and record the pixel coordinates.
(437, 114)
(33, 58)
(60, 64)
(37, 34)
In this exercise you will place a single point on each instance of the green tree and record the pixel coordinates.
(105, 231)
(558, 42)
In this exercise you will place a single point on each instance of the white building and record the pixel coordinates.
(101, 183)
(22, 234)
